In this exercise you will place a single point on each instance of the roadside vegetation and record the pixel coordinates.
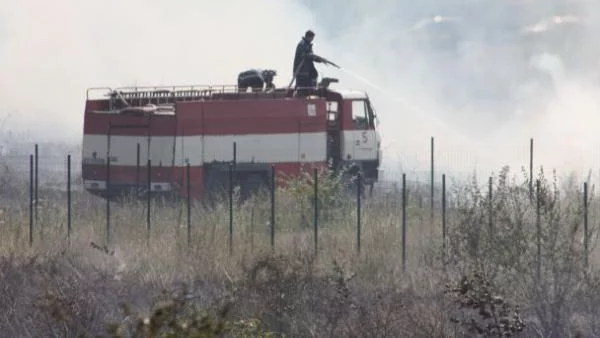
(514, 265)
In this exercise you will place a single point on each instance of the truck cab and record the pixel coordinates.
(353, 138)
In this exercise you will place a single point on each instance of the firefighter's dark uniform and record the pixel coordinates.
(256, 79)
(304, 68)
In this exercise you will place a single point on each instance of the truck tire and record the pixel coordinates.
(252, 184)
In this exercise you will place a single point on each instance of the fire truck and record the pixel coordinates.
(162, 140)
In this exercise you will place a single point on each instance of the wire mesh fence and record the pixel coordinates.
(44, 203)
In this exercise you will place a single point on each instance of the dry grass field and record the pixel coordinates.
(507, 269)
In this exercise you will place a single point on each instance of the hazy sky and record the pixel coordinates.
(478, 101)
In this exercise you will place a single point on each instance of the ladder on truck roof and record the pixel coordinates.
(166, 95)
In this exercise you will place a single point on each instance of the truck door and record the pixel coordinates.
(312, 143)
(363, 134)
(118, 136)
(128, 149)
(161, 148)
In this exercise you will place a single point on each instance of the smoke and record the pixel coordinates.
(51, 52)
(482, 93)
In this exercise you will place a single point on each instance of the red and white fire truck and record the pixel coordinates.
(144, 138)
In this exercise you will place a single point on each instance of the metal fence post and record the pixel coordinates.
(585, 223)
(108, 196)
(137, 170)
(403, 222)
(531, 169)
(148, 197)
(539, 231)
(316, 210)
(490, 208)
(31, 195)
(273, 207)
(189, 207)
(230, 208)
(252, 229)
(444, 216)
(234, 153)
(358, 210)
(69, 199)
(432, 178)
(36, 197)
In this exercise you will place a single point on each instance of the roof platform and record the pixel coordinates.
(140, 96)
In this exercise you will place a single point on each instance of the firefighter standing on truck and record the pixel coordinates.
(305, 72)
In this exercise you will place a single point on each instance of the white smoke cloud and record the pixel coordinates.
(483, 102)
(50, 52)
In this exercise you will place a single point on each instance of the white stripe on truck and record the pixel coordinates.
(271, 148)
(101, 185)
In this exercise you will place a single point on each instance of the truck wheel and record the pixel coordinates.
(216, 187)
(252, 184)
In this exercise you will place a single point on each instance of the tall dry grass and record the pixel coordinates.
(486, 283)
